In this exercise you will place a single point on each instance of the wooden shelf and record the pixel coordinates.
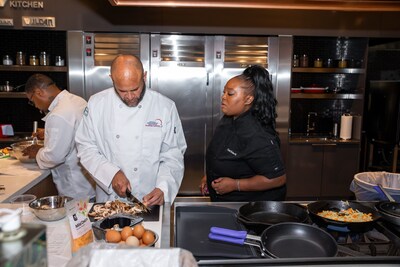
(12, 95)
(33, 68)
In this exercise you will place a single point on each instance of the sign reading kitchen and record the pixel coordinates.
(23, 4)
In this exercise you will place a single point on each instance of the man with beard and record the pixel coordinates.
(132, 138)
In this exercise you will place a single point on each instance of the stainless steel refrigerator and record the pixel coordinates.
(190, 69)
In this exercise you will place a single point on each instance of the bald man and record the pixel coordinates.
(59, 154)
(132, 138)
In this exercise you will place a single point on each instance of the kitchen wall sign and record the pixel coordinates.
(42, 22)
(6, 22)
(26, 4)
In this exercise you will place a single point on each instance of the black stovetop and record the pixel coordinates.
(380, 246)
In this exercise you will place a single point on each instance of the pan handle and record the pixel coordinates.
(379, 188)
(239, 241)
(228, 232)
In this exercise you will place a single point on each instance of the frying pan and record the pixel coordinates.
(337, 205)
(283, 240)
(259, 215)
(390, 210)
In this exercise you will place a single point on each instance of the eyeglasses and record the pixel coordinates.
(30, 102)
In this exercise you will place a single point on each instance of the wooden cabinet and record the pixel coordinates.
(321, 171)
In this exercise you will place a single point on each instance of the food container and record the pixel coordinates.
(318, 63)
(19, 147)
(304, 61)
(59, 61)
(44, 59)
(7, 60)
(20, 58)
(342, 63)
(33, 60)
(100, 226)
(50, 208)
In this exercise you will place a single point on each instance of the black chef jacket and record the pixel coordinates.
(242, 148)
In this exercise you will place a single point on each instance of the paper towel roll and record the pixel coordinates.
(346, 123)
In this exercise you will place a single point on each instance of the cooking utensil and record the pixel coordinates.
(337, 205)
(259, 215)
(283, 240)
(7, 87)
(390, 210)
(133, 199)
(19, 147)
(50, 208)
(35, 126)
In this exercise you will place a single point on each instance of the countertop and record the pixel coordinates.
(59, 238)
(18, 177)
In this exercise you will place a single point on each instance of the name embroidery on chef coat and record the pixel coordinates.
(156, 123)
(230, 151)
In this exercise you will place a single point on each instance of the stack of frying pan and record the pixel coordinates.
(390, 210)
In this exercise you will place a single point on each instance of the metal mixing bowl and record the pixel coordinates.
(50, 208)
(19, 147)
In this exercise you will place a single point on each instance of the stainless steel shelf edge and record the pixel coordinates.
(326, 96)
(329, 70)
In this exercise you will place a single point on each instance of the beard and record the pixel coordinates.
(133, 102)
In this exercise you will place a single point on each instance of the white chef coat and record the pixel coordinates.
(146, 142)
(59, 153)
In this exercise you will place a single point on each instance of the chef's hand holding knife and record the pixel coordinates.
(120, 183)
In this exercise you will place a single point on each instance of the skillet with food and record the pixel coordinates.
(343, 215)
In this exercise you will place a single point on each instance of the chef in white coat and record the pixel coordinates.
(59, 154)
(132, 138)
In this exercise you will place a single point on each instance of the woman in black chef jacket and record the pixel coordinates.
(243, 160)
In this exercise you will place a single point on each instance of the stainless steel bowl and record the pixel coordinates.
(19, 147)
(50, 208)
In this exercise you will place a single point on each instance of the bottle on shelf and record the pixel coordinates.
(7, 60)
(295, 61)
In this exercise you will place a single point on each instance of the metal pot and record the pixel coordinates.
(337, 205)
(7, 87)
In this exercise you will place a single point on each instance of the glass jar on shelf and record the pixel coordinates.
(20, 58)
(7, 60)
(304, 61)
(44, 59)
(33, 60)
(318, 63)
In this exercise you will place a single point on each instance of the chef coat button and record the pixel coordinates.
(115, 197)
(140, 106)
(117, 136)
(135, 169)
(137, 137)
(120, 105)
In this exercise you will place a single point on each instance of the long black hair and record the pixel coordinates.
(264, 103)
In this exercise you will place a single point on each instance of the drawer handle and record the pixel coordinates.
(323, 144)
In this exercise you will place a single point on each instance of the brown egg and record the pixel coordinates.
(138, 231)
(148, 237)
(113, 236)
(126, 232)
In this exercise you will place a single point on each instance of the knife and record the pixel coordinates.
(133, 199)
